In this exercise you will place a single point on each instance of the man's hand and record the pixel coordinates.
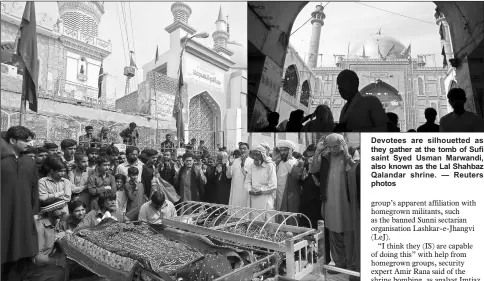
(41, 259)
(231, 160)
(107, 187)
(320, 146)
(60, 235)
(59, 194)
(219, 169)
(255, 192)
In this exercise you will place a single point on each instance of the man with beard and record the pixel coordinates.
(132, 153)
(190, 182)
(20, 201)
(148, 170)
(203, 150)
(361, 113)
(237, 171)
(460, 120)
(168, 145)
(167, 168)
(221, 181)
(107, 209)
(50, 263)
(284, 168)
(88, 139)
(79, 178)
(51, 147)
(92, 154)
(261, 182)
(336, 211)
(68, 148)
(103, 137)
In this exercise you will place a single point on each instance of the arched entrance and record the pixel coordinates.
(204, 119)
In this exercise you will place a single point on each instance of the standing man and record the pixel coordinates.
(332, 166)
(193, 144)
(92, 154)
(237, 171)
(168, 145)
(191, 180)
(261, 182)
(51, 147)
(429, 126)
(79, 178)
(132, 153)
(203, 150)
(87, 139)
(68, 147)
(284, 168)
(148, 170)
(103, 137)
(167, 168)
(20, 202)
(460, 120)
(361, 113)
(130, 135)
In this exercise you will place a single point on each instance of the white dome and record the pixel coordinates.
(378, 46)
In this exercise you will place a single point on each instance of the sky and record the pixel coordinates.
(353, 22)
(149, 20)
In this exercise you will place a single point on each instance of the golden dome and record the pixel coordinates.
(378, 46)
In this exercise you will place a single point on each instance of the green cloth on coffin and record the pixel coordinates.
(153, 251)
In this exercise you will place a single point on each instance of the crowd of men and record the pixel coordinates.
(47, 193)
(365, 113)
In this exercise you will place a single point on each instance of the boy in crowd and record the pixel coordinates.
(51, 147)
(79, 178)
(135, 192)
(100, 181)
(120, 194)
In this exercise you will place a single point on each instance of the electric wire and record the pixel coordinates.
(307, 20)
(395, 13)
(132, 37)
(122, 37)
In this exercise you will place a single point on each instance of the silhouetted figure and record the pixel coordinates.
(273, 119)
(392, 122)
(460, 120)
(296, 120)
(361, 113)
(429, 126)
(323, 121)
(411, 131)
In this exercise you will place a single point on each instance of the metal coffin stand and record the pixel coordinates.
(217, 220)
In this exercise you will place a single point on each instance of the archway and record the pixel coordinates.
(291, 81)
(305, 93)
(204, 119)
(391, 100)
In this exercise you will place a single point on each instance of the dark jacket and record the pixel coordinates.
(20, 202)
(169, 172)
(146, 177)
(323, 177)
(197, 185)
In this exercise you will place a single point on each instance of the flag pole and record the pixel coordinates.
(23, 109)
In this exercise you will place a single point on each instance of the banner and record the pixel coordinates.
(204, 73)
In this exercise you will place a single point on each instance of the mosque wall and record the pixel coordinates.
(52, 59)
(59, 118)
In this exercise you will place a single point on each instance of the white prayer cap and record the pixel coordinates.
(286, 144)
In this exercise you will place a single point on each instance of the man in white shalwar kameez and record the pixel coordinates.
(237, 171)
(261, 183)
(332, 166)
(284, 167)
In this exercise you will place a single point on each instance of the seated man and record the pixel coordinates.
(107, 209)
(158, 208)
(50, 262)
(77, 212)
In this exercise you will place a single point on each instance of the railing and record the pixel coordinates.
(91, 40)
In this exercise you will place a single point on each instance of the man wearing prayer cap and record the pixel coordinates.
(332, 160)
(284, 167)
(50, 261)
(260, 182)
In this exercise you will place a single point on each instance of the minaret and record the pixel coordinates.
(85, 50)
(317, 22)
(178, 30)
(221, 36)
(445, 42)
(81, 16)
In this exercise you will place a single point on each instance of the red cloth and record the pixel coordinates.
(20, 202)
